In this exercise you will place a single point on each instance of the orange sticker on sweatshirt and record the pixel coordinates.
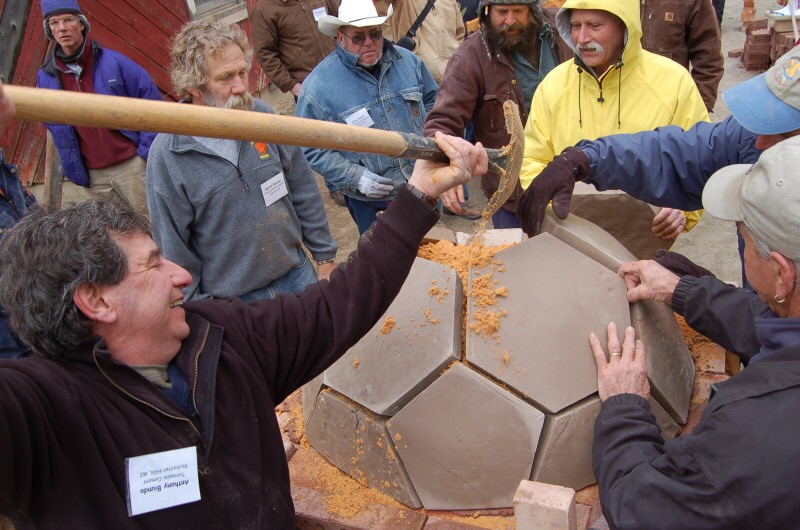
(262, 148)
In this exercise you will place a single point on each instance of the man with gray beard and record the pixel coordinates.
(234, 214)
(504, 60)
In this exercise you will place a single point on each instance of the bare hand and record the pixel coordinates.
(453, 199)
(7, 110)
(434, 178)
(647, 280)
(625, 372)
(324, 270)
(669, 223)
(295, 90)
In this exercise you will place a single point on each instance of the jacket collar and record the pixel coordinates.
(350, 60)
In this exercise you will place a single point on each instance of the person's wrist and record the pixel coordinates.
(420, 193)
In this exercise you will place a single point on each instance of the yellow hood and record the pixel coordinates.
(627, 10)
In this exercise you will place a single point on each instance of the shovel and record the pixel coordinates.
(114, 112)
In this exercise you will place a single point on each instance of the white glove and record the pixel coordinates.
(374, 186)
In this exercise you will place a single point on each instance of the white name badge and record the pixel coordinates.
(360, 117)
(319, 13)
(162, 480)
(274, 189)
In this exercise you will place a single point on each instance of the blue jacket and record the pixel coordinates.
(14, 203)
(114, 75)
(398, 99)
(669, 166)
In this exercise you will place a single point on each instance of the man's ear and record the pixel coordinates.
(786, 280)
(92, 302)
(197, 96)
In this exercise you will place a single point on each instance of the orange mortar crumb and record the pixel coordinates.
(388, 324)
(356, 362)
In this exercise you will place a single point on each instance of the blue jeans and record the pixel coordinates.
(364, 212)
(506, 219)
(293, 282)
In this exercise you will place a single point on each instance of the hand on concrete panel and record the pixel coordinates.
(555, 182)
(374, 186)
(647, 280)
(625, 371)
(7, 110)
(669, 223)
(434, 178)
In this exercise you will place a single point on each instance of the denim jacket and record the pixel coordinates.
(14, 203)
(397, 99)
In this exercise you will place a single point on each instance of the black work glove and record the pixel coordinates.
(555, 183)
(680, 264)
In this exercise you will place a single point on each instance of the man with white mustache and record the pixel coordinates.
(234, 214)
(613, 86)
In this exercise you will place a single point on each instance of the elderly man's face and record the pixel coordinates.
(147, 303)
(67, 31)
(599, 37)
(227, 81)
(366, 42)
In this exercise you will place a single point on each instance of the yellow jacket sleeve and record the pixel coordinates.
(538, 140)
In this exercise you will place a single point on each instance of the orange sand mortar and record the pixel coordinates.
(388, 324)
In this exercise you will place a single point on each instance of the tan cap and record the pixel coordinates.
(764, 196)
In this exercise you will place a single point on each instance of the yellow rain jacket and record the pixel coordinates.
(641, 92)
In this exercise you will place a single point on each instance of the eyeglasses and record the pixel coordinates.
(67, 21)
(360, 38)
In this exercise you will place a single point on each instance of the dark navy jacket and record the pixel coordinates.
(14, 203)
(114, 75)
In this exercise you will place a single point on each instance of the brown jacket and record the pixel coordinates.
(477, 82)
(287, 41)
(439, 35)
(687, 32)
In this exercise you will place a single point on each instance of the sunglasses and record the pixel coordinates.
(360, 38)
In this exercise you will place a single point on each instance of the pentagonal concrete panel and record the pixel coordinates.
(310, 391)
(357, 442)
(669, 363)
(466, 442)
(587, 238)
(418, 336)
(629, 220)
(669, 429)
(550, 297)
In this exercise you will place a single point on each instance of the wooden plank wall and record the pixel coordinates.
(140, 29)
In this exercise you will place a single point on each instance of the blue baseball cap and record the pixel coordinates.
(769, 103)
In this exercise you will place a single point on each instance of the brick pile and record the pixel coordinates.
(748, 13)
(782, 42)
(757, 46)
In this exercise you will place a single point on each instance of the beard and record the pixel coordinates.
(522, 43)
(243, 102)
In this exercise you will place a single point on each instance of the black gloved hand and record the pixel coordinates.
(680, 264)
(555, 183)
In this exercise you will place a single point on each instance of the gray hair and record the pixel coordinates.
(764, 250)
(194, 43)
(46, 257)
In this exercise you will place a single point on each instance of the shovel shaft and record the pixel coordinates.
(115, 112)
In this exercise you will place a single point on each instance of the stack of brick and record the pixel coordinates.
(748, 13)
(782, 42)
(757, 48)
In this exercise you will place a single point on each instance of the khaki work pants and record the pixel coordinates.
(124, 182)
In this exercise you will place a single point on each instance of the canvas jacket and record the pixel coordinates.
(439, 35)
(669, 166)
(478, 80)
(643, 91)
(287, 41)
(738, 467)
(114, 75)
(397, 100)
(211, 218)
(687, 32)
(15, 200)
(69, 426)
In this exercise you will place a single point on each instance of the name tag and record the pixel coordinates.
(360, 117)
(319, 13)
(162, 480)
(274, 189)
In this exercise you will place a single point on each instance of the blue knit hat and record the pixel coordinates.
(60, 7)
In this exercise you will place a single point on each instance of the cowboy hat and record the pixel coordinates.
(358, 13)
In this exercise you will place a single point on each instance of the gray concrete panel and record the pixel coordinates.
(466, 442)
(669, 429)
(669, 363)
(357, 442)
(587, 238)
(310, 391)
(564, 456)
(556, 297)
(629, 220)
(388, 367)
